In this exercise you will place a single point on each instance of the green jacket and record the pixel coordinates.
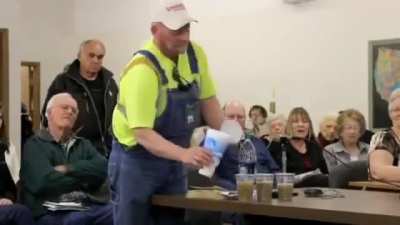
(87, 169)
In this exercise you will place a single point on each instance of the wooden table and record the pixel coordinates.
(373, 185)
(356, 207)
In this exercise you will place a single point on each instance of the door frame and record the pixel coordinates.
(5, 79)
(34, 77)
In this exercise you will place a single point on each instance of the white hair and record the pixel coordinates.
(393, 96)
(53, 99)
(87, 42)
(236, 103)
(275, 117)
(327, 118)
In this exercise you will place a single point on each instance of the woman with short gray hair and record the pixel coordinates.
(276, 125)
(350, 127)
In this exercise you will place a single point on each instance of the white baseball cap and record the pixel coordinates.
(173, 14)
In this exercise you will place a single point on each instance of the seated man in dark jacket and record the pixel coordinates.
(59, 166)
(229, 166)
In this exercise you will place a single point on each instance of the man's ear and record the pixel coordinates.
(154, 29)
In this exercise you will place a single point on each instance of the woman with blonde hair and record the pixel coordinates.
(302, 151)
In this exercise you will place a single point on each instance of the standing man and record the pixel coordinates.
(95, 91)
(165, 92)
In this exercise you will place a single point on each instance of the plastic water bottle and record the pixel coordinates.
(300, 177)
(247, 157)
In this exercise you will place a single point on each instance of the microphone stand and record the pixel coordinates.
(284, 142)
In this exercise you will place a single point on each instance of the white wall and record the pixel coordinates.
(37, 31)
(314, 55)
(123, 27)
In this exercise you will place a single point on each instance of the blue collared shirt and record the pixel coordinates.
(341, 154)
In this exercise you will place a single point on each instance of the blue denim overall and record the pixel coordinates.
(136, 174)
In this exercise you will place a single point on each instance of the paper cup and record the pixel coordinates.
(245, 186)
(285, 183)
(208, 171)
(216, 141)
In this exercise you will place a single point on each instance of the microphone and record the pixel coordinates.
(285, 139)
(337, 158)
(297, 138)
(284, 142)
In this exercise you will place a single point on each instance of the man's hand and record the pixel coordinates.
(61, 168)
(5, 202)
(196, 157)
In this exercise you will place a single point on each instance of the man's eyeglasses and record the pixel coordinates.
(183, 84)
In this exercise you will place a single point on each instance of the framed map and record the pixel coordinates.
(384, 77)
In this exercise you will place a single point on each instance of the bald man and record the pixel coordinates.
(234, 110)
(229, 166)
(94, 89)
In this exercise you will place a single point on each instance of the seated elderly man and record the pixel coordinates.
(385, 146)
(229, 166)
(58, 166)
(327, 131)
